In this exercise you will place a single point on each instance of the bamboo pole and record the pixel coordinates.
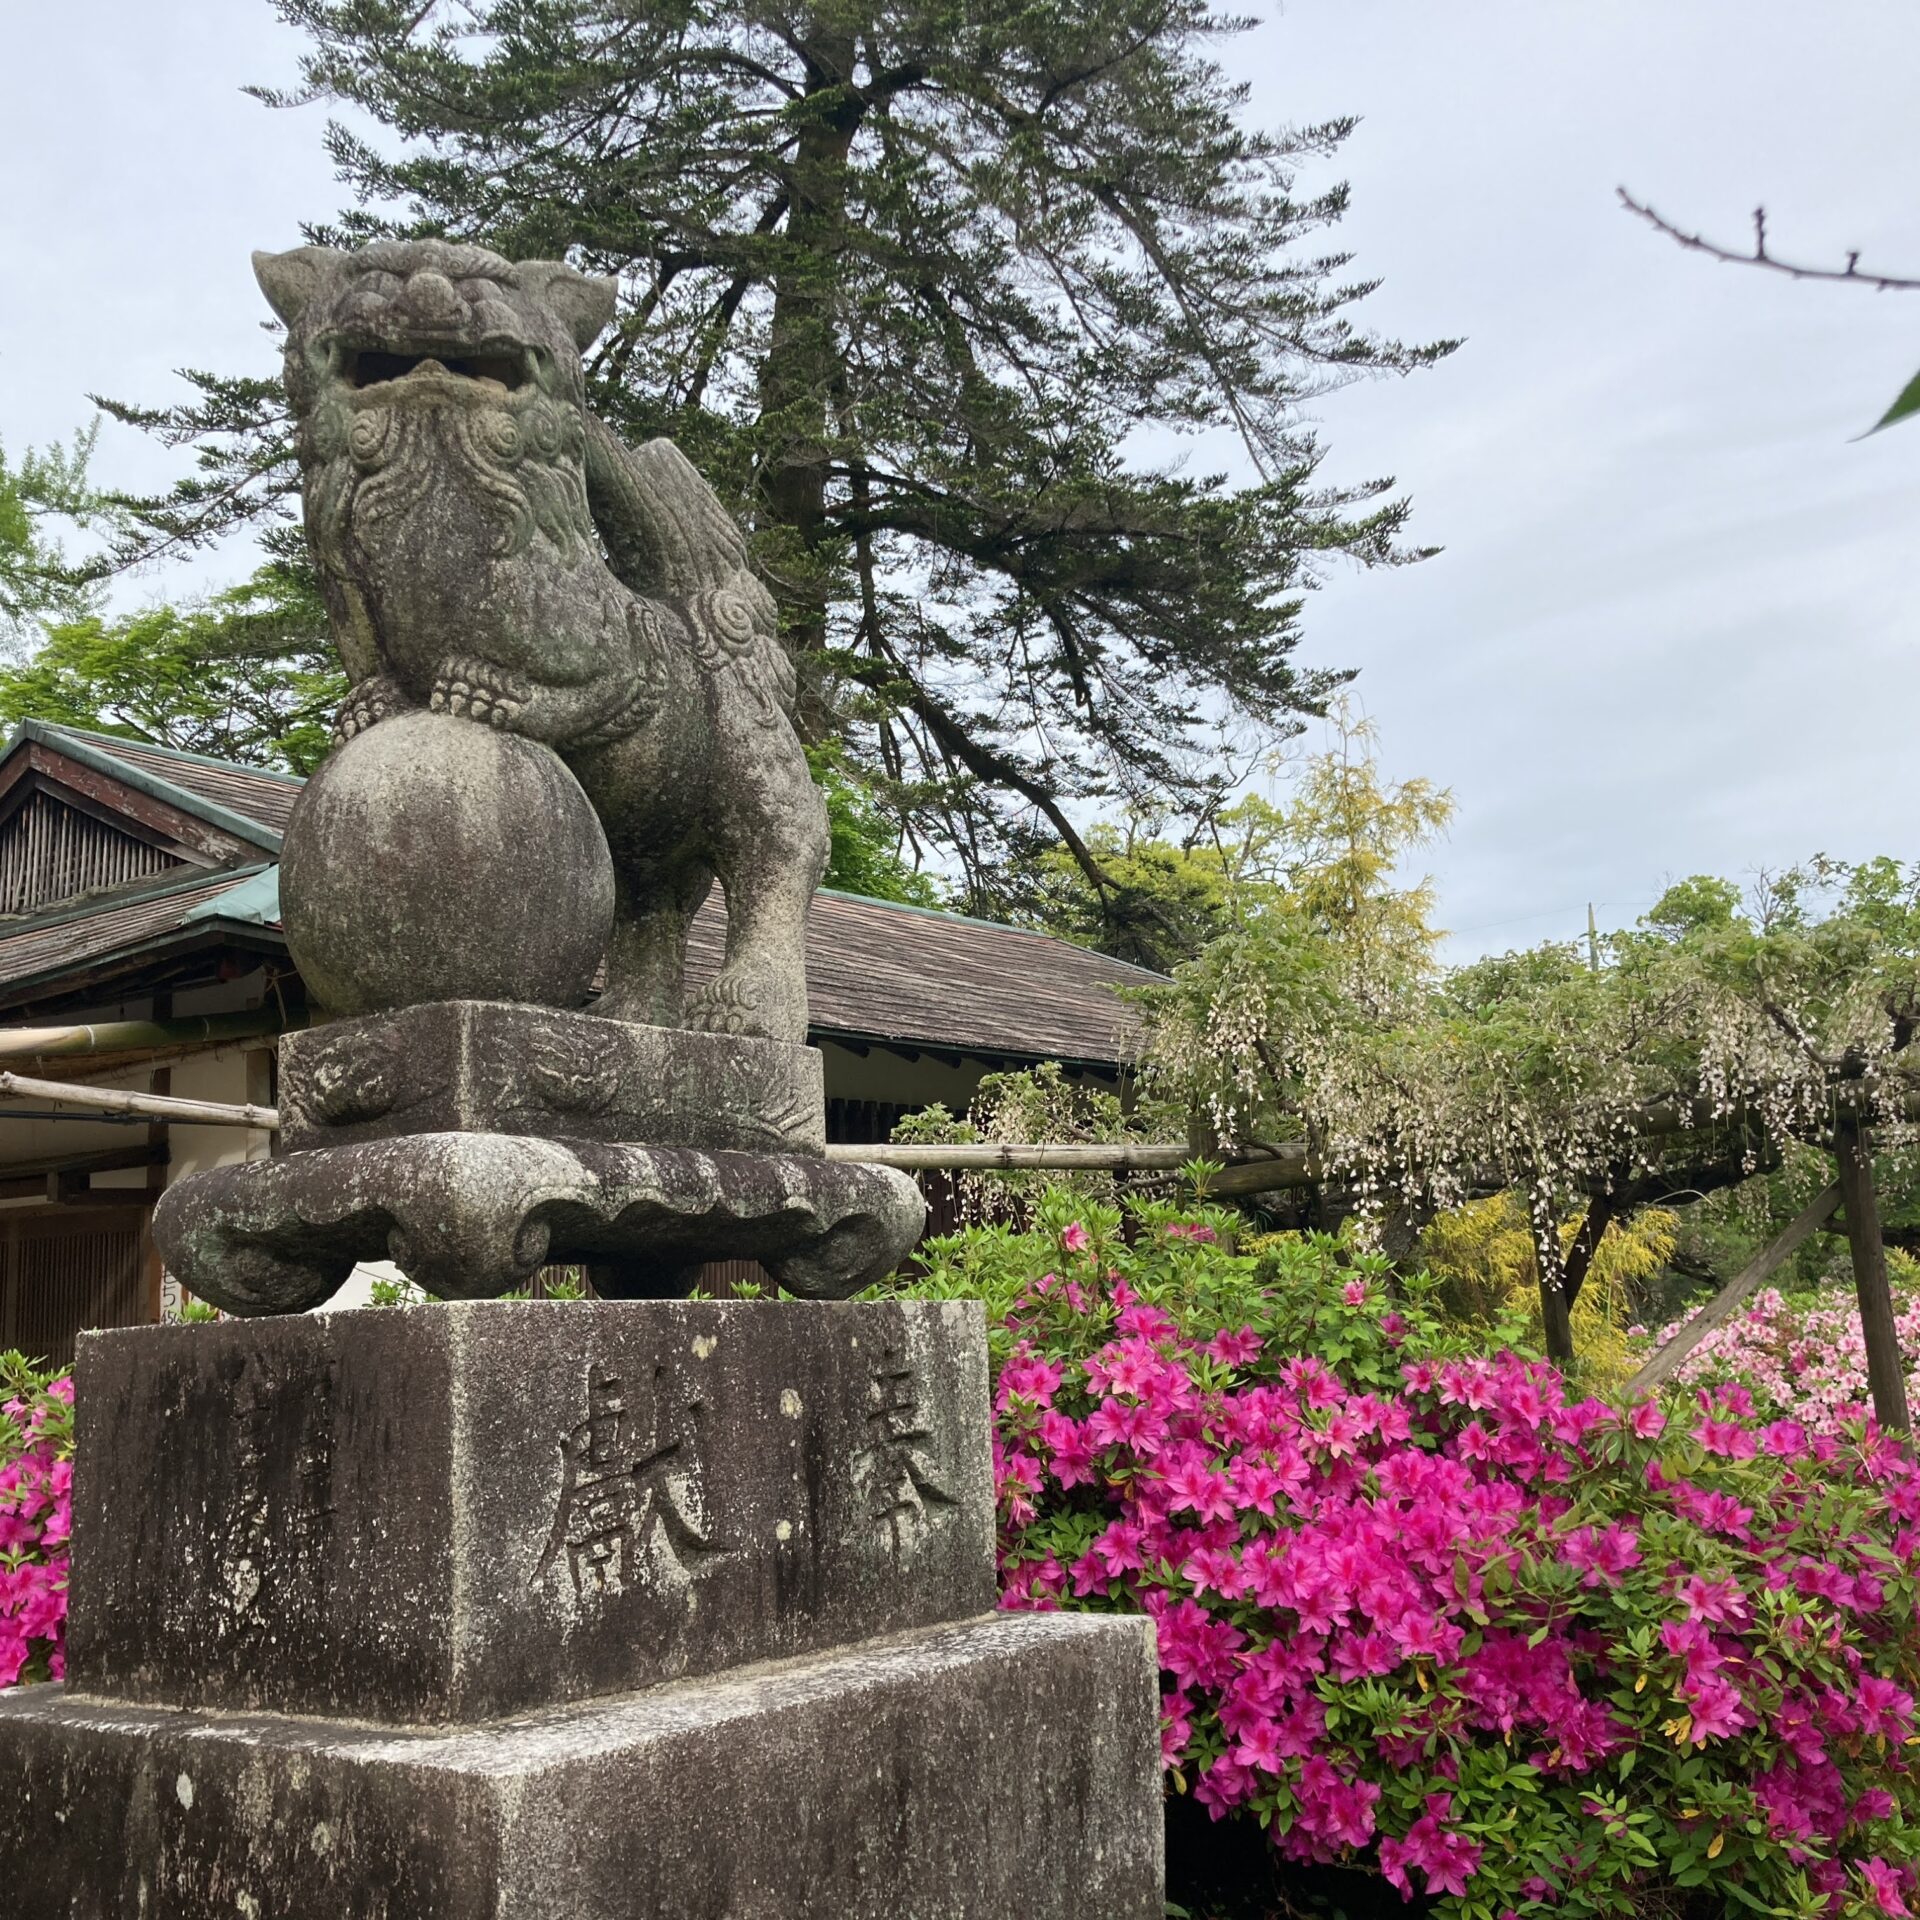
(1004, 1157)
(152, 1106)
(129, 1036)
(1886, 1376)
(1719, 1309)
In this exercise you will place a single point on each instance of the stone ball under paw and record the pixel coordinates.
(432, 858)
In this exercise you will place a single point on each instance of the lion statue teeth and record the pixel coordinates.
(488, 549)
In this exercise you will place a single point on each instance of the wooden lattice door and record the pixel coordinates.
(60, 1273)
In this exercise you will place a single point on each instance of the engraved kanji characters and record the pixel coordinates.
(630, 1492)
(898, 1481)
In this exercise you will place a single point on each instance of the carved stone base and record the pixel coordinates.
(483, 1066)
(453, 1512)
(566, 1611)
(472, 1215)
(1006, 1766)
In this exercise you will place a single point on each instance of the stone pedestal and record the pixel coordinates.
(484, 1066)
(472, 1215)
(473, 1142)
(523, 1501)
(610, 1611)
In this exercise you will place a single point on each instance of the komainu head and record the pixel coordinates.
(413, 360)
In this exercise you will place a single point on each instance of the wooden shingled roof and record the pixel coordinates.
(878, 972)
(251, 791)
(55, 944)
(908, 976)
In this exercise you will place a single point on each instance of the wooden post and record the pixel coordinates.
(1886, 1377)
(1720, 1308)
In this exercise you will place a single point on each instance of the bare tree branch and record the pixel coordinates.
(1760, 257)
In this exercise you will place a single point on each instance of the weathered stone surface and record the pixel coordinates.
(472, 1215)
(452, 1512)
(432, 859)
(481, 1066)
(1004, 1767)
(490, 552)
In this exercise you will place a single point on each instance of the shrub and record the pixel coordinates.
(1483, 1252)
(1420, 1612)
(1801, 1356)
(36, 1473)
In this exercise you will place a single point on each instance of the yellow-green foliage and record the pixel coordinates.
(1483, 1253)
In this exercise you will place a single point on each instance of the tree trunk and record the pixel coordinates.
(797, 376)
(1556, 1298)
(1885, 1375)
(1557, 1319)
(1586, 1245)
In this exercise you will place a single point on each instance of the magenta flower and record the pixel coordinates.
(1727, 1437)
(1646, 1421)
(1884, 1886)
(1235, 1349)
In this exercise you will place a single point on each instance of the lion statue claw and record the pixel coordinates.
(489, 550)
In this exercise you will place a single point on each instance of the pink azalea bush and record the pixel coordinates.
(1801, 1357)
(1420, 1612)
(36, 1476)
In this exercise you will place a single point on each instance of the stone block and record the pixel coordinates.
(471, 1215)
(1003, 1767)
(483, 1066)
(445, 1513)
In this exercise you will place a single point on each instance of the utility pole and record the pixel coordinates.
(1593, 941)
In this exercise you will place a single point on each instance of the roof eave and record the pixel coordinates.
(81, 747)
(106, 968)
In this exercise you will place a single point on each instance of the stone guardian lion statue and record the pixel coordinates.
(487, 548)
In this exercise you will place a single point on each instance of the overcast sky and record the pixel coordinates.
(1674, 626)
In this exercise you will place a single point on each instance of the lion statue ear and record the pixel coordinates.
(290, 280)
(584, 303)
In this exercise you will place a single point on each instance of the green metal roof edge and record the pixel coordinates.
(172, 753)
(253, 900)
(978, 1050)
(81, 746)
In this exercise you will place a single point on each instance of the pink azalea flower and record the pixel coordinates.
(1234, 1349)
(1646, 1421)
(1884, 1886)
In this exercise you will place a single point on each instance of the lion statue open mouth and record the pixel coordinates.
(488, 549)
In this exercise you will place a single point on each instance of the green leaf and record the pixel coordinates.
(1907, 402)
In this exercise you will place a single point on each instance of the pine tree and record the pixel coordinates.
(915, 282)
